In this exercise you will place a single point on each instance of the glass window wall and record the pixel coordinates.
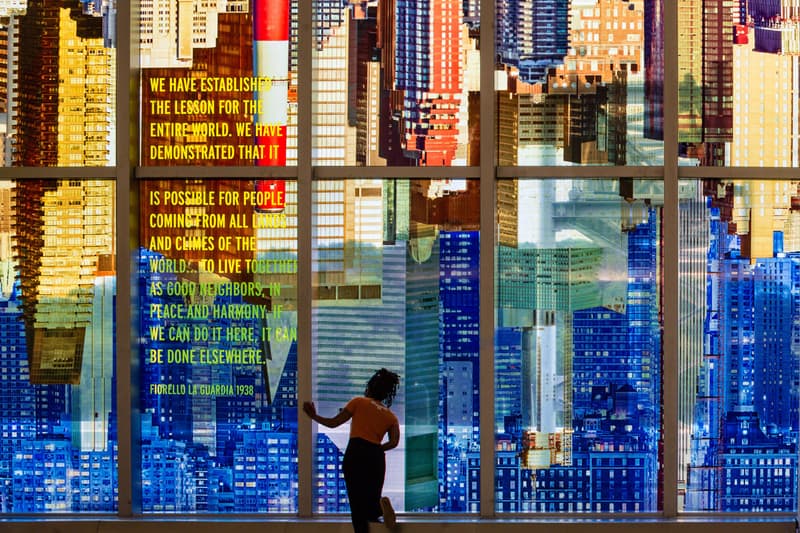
(395, 285)
(586, 319)
(738, 345)
(58, 286)
(217, 346)
(579, 83)
(578, 352)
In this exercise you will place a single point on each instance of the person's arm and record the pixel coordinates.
(343, 416)
(394, 438)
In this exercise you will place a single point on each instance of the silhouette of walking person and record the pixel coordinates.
(364, 463)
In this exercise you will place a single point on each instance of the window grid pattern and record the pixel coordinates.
(671, 171)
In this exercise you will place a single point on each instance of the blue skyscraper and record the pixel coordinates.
(533, 35)
(96, 490)
(167, 485)
(744, 435)
(37, 465)
(17, 394)
(508, 376)
(616, 386)
(737, 333)
(459, 348)
(777, 286)
(758, 470)
(265, 469)
(331, 493)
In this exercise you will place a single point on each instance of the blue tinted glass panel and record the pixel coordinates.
(578, 346)
(218, 351)
(58, 286)
(740, 272)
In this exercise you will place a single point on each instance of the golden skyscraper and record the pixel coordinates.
(63, 239)
(63, 228)
(66, 90)
(764, 135)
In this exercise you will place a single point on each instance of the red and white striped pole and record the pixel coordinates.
(271, 60)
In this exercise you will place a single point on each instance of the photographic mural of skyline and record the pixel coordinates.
(395, 262)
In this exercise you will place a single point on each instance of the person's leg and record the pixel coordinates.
(389, 516)
(356, 479)
(376, 470)
(379, 505)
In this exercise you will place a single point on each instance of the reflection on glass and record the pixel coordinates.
(578, 346)
(218, 332)
(57, 83)
(737, 65)
(395, 272)
(740, 276)
(395, 83)
(58, 438)
(579, 83)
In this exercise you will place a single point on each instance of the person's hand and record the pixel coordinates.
(310, 409)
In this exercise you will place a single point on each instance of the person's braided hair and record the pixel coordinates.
(382, 386)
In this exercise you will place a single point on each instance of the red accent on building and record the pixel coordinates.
(271, 20)
(430, 127)
(740, 34)
(273, 195)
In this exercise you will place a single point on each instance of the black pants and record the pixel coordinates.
(364, 468)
